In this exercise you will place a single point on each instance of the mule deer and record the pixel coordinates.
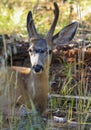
(34, 84)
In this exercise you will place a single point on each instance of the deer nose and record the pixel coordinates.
(37, 68)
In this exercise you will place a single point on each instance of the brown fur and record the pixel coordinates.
(18, 89)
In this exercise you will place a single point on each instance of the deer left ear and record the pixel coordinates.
(65, 35)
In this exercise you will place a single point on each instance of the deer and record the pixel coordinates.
(25, 84)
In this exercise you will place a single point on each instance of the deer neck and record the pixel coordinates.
(42, 78)
(39, 84)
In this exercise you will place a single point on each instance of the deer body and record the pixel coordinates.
(39, 91)
(22, 84)
(20, 88)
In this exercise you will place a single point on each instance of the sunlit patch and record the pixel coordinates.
(17, 15)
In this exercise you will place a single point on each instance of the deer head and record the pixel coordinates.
(40, 49)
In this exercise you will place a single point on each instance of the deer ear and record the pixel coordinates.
(32, 32)
(22, 70)
(65, 35)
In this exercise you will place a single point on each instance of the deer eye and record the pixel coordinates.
(50, 51)
(30, 50)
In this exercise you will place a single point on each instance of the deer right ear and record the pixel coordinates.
(65, 35)
(30, 26)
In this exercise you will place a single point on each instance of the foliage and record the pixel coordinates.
(13, 14)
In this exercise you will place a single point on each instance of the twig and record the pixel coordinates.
(71, 97)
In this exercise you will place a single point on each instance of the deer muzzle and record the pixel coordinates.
(37, 68)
